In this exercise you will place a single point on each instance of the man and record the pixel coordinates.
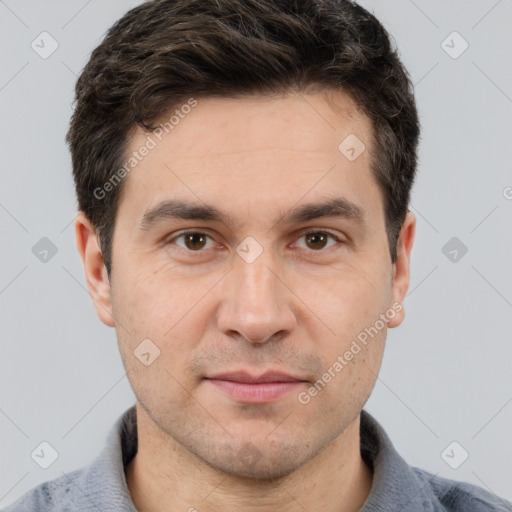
(243, 171)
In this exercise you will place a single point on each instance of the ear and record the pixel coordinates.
(95, 272)
(402, 266)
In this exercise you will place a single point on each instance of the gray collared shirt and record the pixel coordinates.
(396, 486)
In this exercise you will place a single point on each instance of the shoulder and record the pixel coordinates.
(457, 496)
(100, 485)
(52, 496)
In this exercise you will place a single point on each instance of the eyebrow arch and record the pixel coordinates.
(335, 207)
(177, 209)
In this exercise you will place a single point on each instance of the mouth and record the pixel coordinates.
(245, 387)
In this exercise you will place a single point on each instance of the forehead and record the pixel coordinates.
(312, 122)
(255, 145)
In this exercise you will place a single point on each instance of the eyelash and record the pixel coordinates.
(304, 234)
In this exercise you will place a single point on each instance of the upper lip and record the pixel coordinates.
(244, 376)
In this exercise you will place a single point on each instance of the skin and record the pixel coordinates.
(295, 309)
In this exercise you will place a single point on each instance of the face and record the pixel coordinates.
(252, 252)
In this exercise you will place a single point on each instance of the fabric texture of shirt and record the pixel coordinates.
(396, 486)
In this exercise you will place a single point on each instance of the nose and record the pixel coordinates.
(257, 304)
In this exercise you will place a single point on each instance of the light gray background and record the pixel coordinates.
(446, 373)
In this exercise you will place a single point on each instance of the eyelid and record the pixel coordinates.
(309, 231)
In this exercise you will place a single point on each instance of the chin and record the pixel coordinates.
(264, 471)
(248, 462)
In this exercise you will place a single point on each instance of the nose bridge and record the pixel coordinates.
(257, 306)
(257, 281)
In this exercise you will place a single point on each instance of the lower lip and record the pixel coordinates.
(255, 392)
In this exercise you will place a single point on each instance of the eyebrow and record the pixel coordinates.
(177, 209)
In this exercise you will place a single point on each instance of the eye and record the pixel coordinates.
(196, 241)
(193, 241)
(318, 240)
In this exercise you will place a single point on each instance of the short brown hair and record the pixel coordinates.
(165, 51)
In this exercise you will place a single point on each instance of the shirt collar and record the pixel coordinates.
(396, 486)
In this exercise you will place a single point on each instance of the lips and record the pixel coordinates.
(244, 387)
(245, 377)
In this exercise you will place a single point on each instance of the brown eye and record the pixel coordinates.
(193, 241)
(318, 240)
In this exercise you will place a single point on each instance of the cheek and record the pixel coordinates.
(350, 304)
(162, 389)
(349, 299)
(153, 299)
(348, 379)
(170, 313)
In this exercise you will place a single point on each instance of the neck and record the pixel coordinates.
(164, 477)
